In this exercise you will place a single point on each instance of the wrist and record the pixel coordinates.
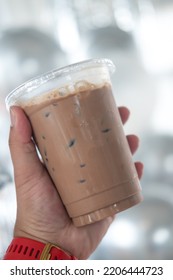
(65, 241)
(22, 248)
(43, 238)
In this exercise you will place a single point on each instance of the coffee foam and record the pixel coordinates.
(62, 87)
(61, 93)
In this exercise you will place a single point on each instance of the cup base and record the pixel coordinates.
(108, 211)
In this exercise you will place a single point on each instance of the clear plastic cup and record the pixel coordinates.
(79, 133)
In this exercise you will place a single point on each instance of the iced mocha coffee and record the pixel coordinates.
(81, 140)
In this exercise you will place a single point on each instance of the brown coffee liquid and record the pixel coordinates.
(82, 143)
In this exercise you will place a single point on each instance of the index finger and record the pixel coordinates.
(124, 113)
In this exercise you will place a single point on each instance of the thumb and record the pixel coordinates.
(23, 152)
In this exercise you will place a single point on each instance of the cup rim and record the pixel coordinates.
(38, 81)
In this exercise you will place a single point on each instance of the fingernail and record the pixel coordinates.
(12, 117)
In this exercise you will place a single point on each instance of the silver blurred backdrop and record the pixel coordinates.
(37, 36)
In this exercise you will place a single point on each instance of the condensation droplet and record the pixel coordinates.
(45, 152)
(84, 124)
(71, 142)
(77, 108)
(106, 130)
(82, 165)
(47, 114)
(82, 181)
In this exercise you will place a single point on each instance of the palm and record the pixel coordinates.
(42, 207)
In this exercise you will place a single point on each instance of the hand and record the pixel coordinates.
(40, 212)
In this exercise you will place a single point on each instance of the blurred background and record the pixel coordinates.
(37, 36)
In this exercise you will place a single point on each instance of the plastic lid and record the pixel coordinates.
(41, 81)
